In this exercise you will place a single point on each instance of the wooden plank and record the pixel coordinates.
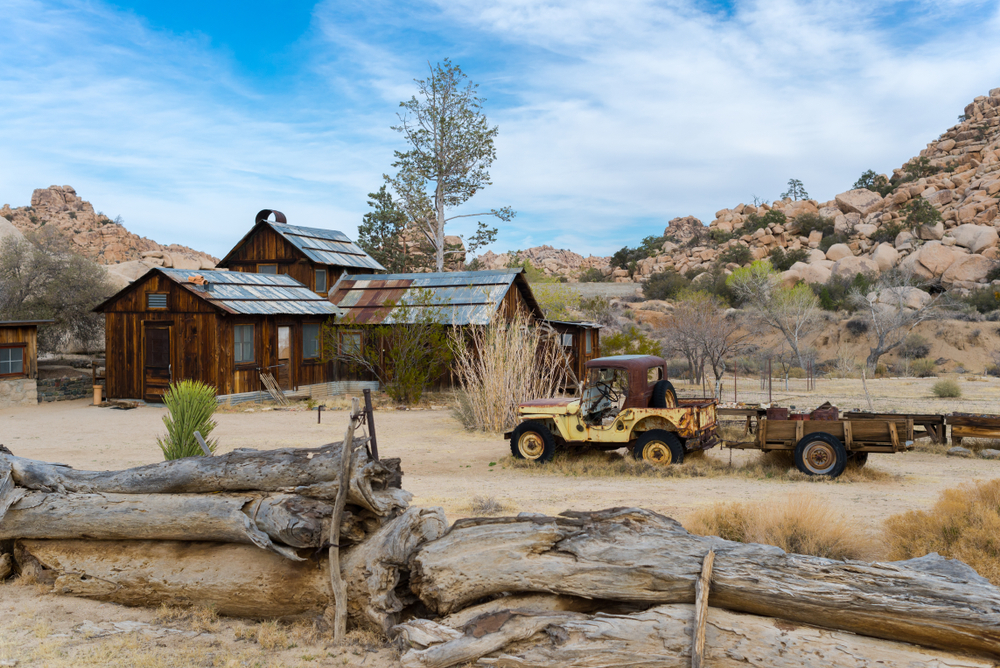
(974, 432)
(893, 435)
(848, 435)
(701, 588)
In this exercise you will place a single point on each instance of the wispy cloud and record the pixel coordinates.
(614, 117)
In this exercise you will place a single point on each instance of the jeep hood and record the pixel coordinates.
(556, 406)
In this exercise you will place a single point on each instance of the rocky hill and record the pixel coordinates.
(958, 175)
(99, 238)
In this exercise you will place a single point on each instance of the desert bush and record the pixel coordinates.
(914, 347)
(994, 273)
(598, 309)
(630, 341)
(501, 365)
(835, 294)
(983, 300)
(191, 404)
(920, 212)
(593, 275)
(887, 233)
(721, 236)
(946, 389)
(484, 506)
(555, 299)
(754, 222)
(799, 524)
(796, 372)
(813, 222)
(857, 326)
(627, 257)
(664, 285)
(874, 182)
(831, 239)
(881, 370)
(737, 254)
(783, 261)
(963, 524)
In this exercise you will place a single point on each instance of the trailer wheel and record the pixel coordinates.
(859, 458)
(659, 447)
(821, 454)
(533, 440)
(661, 391)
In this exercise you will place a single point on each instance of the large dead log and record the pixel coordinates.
(238, 580)
(660, 636)
(309, 472)
(286, 519)
(639, 556)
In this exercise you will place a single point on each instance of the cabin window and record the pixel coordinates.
(11, 361)
(321, 280)
(567, 340)
(156, 300)
(310, 341)
(590, 344)
(654, 374)
(267, 269)
(243, 344)
(350, 344)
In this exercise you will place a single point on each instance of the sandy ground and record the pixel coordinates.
(444, 465)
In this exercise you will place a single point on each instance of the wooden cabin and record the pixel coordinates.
(314, 257)
(222, 328)
(19, 362)
(582, 342)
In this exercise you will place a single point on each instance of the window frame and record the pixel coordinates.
(589, 350)
(319, 343)
(260, 265)
(242, 345)
(15, 346)
(326, 281)
(166, 299)
(350, 332)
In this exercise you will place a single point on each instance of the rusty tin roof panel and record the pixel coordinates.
(326, 246)
(254, 294)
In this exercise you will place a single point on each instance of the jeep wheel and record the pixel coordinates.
(659, 447)
(820, 453)
(532, 440)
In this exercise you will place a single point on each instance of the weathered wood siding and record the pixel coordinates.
(28, 335)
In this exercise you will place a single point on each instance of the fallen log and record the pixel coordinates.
(293, 521)
(660, 636)
(639, 556)
(238, 580)
(305, 471)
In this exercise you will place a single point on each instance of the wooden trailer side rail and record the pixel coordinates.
(857, 435)
(925, 425)
(973, 426)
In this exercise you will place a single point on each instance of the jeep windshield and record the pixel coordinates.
(604, 394)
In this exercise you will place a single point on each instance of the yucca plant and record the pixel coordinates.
(191, 404)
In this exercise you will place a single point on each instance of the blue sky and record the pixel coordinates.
(187, 118)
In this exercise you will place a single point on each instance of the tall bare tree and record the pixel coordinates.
(701, 326)
(892, 308)
(792, 311)
(451, 151)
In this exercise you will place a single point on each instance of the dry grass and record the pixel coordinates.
(799, 523)
(485, 506)
(963, 524)
(771, 466)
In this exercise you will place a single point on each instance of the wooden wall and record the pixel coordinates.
(28, 335)
(201, 342)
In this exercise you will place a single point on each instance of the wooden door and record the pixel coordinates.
(284, 374)
(156, 362)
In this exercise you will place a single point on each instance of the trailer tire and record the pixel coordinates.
(659, 447)
(820, 453)
(533, 441)
(859, 458)
(664, 395)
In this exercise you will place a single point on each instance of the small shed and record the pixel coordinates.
(313, 256)
(582, 341)
(19, 362)
(222, 328)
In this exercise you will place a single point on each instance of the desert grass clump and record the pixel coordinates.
(923, 368)
(191, 404)
(964, 524)
(946, 389)
(501, 365)
(484, 506)
(798, 524)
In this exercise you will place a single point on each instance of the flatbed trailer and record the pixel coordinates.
(823, 447)
(924, 425)
(967, 425)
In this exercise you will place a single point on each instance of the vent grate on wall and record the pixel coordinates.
(156, 301)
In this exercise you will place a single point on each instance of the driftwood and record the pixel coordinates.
(638, 556)
(660, 636)
(309, 472)
(702, 587)
(285, 519)
(238, 580)
(337, 584)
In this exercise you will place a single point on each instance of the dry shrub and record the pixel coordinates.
(799, 524)
(963, 524)
(486, 505)
(501, 365)
(946, 389)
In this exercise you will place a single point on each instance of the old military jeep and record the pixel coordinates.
(626, 401)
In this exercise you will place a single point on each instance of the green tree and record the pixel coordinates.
(795, 190)
(920, 212)
(877, 183)
(451, 151)
(381, 233)
(630, 341)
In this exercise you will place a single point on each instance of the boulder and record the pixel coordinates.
(932, 259)
(866, 229)
(131, 270)
(189, 263)
(815, 255)
(938, 198)
(905, 296)
(118, 281)
(788, 278)
(838, 252)
(815, 236)
(967, 269)
(840, 224)
(7, 229)
(990, 454)
(861, 201)
(976, 238)
(851, 266)
(812, 273)
(959, 452)
(903, 239)
(686, 228)
(930, 233)
(885, 256)
(796, 209)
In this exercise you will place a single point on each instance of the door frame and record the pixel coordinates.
(157, 324)
(292, 385)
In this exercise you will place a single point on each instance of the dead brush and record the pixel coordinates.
(963, 524)
(486, 506)
(798, 524)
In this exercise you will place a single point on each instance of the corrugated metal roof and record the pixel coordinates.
(253, 294)
(326, 246)
(454, 298)
(576, 323)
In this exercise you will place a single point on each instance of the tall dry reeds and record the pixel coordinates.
(501, 365)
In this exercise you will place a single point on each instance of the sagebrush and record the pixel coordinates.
(191, 404)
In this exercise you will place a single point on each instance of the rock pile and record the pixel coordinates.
(552, 261)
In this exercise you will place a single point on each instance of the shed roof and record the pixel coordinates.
(319, 245)
(246, 293)
(582, 324)
(457, 298)
(24, 323)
